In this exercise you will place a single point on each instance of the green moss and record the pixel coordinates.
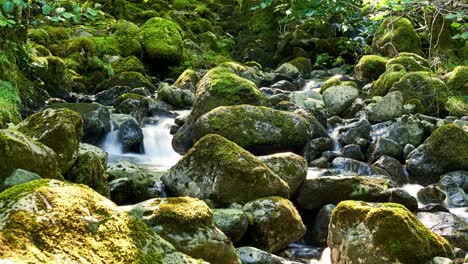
(303, 64)
(449, 142)
(38, 35)
(128, 64)
(162, 40)
(126, 36)
(180, 4)
(126, 96)
(429, 90)
(130, 79)
(106, 46)
(395, 35)
(396, 232)
(457, 106)
(81, 45)
(393, 74)
(187, 80)
(335, 81)
(199, 26)
(409, 63)
(9, 101)
(370, 67)
(458, 81)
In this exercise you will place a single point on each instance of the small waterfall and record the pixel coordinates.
(334, 134)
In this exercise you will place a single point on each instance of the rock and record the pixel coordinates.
(216, 168)
(460, 178)
(317, 192)
(447, 225)
(456, 83)
(356, 133)
(285, 86)
(18, 177)
(129, 184)
(128, 79)
(396, 34)
(128, 64)
(162, 41)
(456, 195)
(406, 130)
(314, 148)
(232, 222)
(299, 67)
(109, 97)
(338, 98)
(384, 147)
(432, 208)
(187, 80)
(21, 152)
(275, 223)
(177, 97)
(187, 223)
(394, 168)
(407, 150)
(301, 98)
(383, 84)
(251, 255)
(320, 227)
(59, 129)
(337, 80)
(86, 227)
(258, 129)
(444, 151)
(131, 136)
(387, 108)
(401, 196)
(89, 169)
(353, 151)
(411, 62)
(96, 120)
(133, 104)
(431, 194)
(440, 260)
(350, 166)
(290, 167)
(390, 231)
(370, 67)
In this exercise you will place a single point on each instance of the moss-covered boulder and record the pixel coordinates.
(457, 83)
(187, 80)
(274, 223)
(387, 108)
(19, 176)
(129, 79)
(317, 192)
(187, 223)
(338, 98)
(370, 67)
(162, 41)
(59, 129)
(258, 129)
(396, 34)
(177, 97)
(444, 151)
(128, 64)
(86, 228)
(299, 67)
(18, 151)
(423, 86)
(216, 168)
(410, 61)
(233, 222)
(385, 82)
(457, 106)
(90, 169)
(337, 80)
(390, 231)
(221, 87)
(290, 167)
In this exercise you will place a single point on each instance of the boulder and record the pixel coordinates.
(187, 80)
(338, 98)
(109, 97)
(401, 196)
(216, 168)
(127, 79)
(456, 196)
(275, 223)
(133, 104)
(258, 129)
(383, 84)
(447, 225)
(187, 223)
(406, 130)
(59, 129)
(176, 97)
(387, 108)
(370, 67)
(457, 83)
(322, 220)
(232, 222)
(298, 67)
(320, 191)
(431, 194)
(394, 169)
(18, 176)
(131, 136)
(86, 228)
(251, 255)
(411, 62)
(354, 167)
(444, 151)
(390, 231)
(384, 147)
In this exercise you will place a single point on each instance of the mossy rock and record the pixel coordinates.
(385, 82)
(444, 151)
(199, 26)
(162, 41)
(457, 83)
(457, 106)
(87, 227)
(274, 223)
(259, 129)
(176, 97)
(336, 81)
(216, 168)
(423, 86)
(187, 223)
(60, 129)
(395, 35)
(128, 64)
(370, 67)
(81, 45)
(129, 79)
(304, 65)
(233, 222)
(187, 80)
(389, 230)
(221, 87)
(39, 36)
(411, 62)
(21, 152)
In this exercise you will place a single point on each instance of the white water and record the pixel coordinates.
(157, 144)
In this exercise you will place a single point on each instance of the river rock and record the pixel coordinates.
(353, 151)
(444, 151)
(357, 132)
(401, 196)
(290, 167)
(284, 85)
(109, 97)
(131, 136)
(177, 97)
(232, 222)
(431, 194)
(385, 109)
(390, 231)
(187, 80)
(258, 129)
(384, 147)
(275, 223)
(320, 228)
(96, 120)
(59, 129)
(314, 148)
(460, 178)
(448, 225)
(86, 228)
(456, 195)
(216, 168)
(338, 98)
(128, 79)
(394, 168)
(251, 255)
(350, 166)
(317, 192)
(18, 151)
(187, 223)
(18, 176)
(407, 130)
(133, 104)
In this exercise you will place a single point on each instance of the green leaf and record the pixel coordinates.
(46, 9)
(91, 11)
(8, 6)
(67, 15)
